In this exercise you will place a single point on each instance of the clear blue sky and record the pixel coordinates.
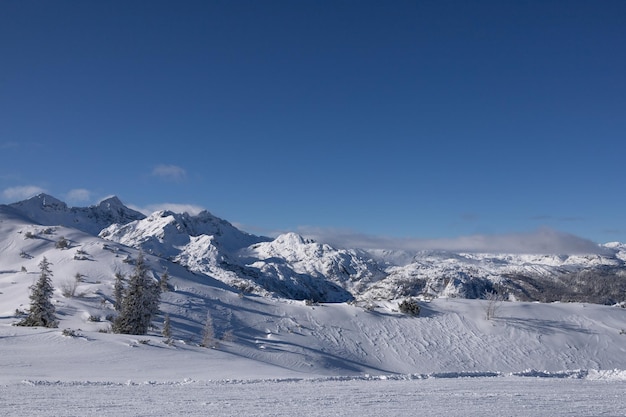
(415, 119)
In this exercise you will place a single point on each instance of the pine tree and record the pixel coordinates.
(118, 291)
(208, 333)
(42, 311)
(140, 302)
(167, 330)
(164, 282)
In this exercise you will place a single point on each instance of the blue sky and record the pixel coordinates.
(403, 119)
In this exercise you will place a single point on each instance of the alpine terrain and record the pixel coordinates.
(235, 306)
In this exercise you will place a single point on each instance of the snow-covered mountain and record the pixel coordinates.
(597, 278)
(288, 266)
(209, 262)
(291, 266)
(46, 210)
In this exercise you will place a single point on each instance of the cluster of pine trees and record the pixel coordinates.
(137, 300)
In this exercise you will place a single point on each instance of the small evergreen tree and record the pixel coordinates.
(42, 311)
(410, 307)
(164, 282)
(208, 333)
(140, 302)
(118, 290)
(62, 243)
(167, 330)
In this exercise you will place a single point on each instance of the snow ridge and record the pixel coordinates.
(46, 210)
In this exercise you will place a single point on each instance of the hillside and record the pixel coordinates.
(264, 333)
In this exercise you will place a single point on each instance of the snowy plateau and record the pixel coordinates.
(301, 327)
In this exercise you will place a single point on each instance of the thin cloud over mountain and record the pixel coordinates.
(22, 192)
(176, 208)
(544, 240)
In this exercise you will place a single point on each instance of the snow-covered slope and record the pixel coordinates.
(266, 337)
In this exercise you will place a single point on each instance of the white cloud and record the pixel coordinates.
(78, 195)
(176, 208)
(21, 193)
(169, 172)
(541, 241)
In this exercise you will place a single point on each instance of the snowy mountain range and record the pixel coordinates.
(265, 297)
(293, 267)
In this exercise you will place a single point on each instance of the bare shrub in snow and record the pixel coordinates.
(410, 307)
(494, 301)
(68, 288)
(71, 333)
(62, 243)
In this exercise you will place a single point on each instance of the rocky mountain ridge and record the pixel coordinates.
(292, 266)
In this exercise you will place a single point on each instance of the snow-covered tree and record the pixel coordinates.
(118, 290)
(167, 330)
(140, 302)
(42, 311)
(164, 282)
(62, 243)
(208, 333)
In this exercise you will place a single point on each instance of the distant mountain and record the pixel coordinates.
(293, 267)
(46, 210)
(591, 278)
(288, 266)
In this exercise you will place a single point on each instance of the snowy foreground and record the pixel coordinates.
(501, 395)
(336, 359)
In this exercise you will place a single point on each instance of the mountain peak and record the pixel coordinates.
(292, 239)
(50, 211)
(40, 202)
(112, 201)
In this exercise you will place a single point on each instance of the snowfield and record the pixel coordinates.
(275, 356)
(534, 359)
(504, 396)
